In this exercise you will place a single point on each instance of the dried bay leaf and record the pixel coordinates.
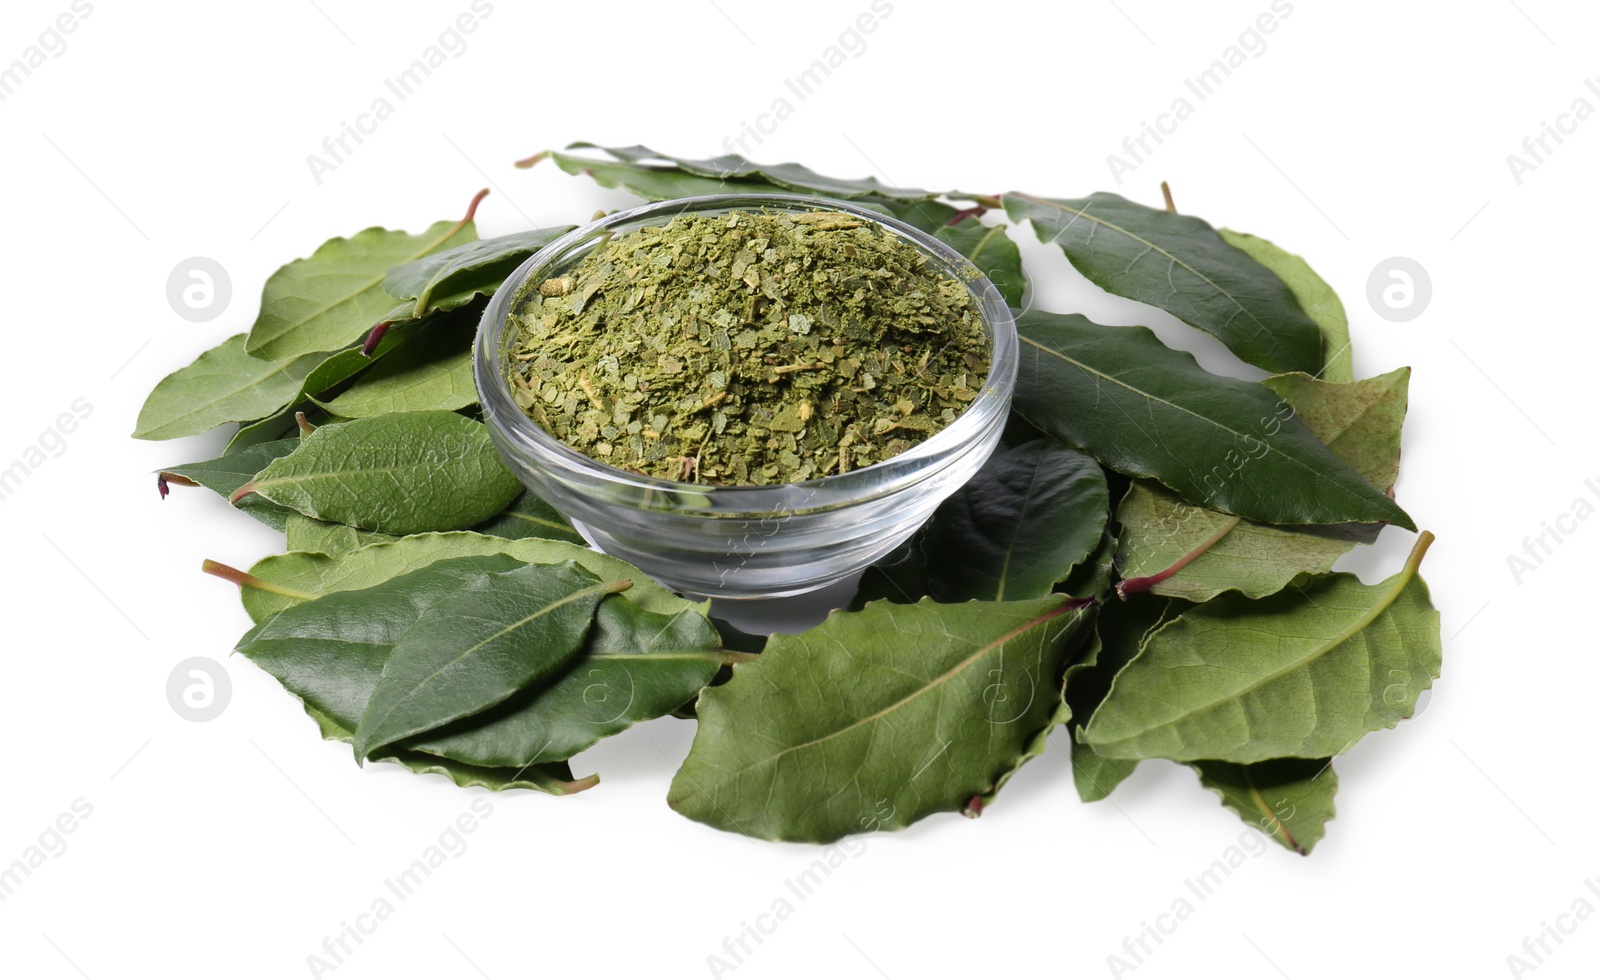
(1303, 673)
(1017, 528)
(875, 719)
(401, 473)
(1180, 264)
(1144, 409)
(479, 646)
(1177, 549)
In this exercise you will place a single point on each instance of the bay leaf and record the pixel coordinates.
(1144, 409)
(657, 176)
(316, 574)
(326, 537)
(401, 473)
(1019, 526)
(992, 251)
(1305, 672)
(1314, 295)
(1094, 776)
(223, 385)
(1288, 800)
(329, 652)
(334, 297)
(1174, 548)
(479, 646)
(636, 665)
(475, 268)
(554, 778)
(527, 516)
(431, 373)
(1180, 264)
(875, 719)
(229, 472)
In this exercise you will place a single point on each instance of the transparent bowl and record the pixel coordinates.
(744, 542)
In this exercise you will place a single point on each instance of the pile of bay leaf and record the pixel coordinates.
(1142, 570)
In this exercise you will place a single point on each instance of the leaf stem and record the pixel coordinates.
(1145, 583)
(1166, 195)
(306, 428)
(527, 162)
(163, 479)
(246, 580)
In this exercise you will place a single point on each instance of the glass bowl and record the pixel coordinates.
(744, 542)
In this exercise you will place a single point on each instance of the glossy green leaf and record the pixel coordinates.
(529, 517)
(1288, 800)
(479, 646)
(992, 251)
(1018, 527)
(325, 537)
(1178, 263)
(1173, 548)
(476, 268)
(402, 473)
(1303, 673)
(334, 297)
(222, 385)
(226, 474)
(1146, 410)
(875, 719)
(316, 574)
(554, 778)
(657, 176)
(1314, 295)
(330, 652)
(431, 373)
(635, 666)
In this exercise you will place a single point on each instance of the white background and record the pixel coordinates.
(1365, 130)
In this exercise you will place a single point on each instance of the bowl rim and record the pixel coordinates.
(868, 482)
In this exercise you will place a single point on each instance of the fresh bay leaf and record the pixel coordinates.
(431, 373)
(1314, 295)
(635, 666)
(1144, 409)
(479, 646)
(875, 719)
(657, 176)
(333, 298)
(223, 385)
(1174, 548)
(325, 537)
(402, 473)
(554, 778)
(335, 370)
(1303, 673)
(1119, 630)
(529, 517)
(1288, 800)
(990, 249)
(228, 473)
(1180, 264)
(926, 216)
(317, 575)
(1093, 577)
(1019, 526)
(330, 652)
(475, 268)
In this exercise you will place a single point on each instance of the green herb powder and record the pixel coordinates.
(748, 348)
